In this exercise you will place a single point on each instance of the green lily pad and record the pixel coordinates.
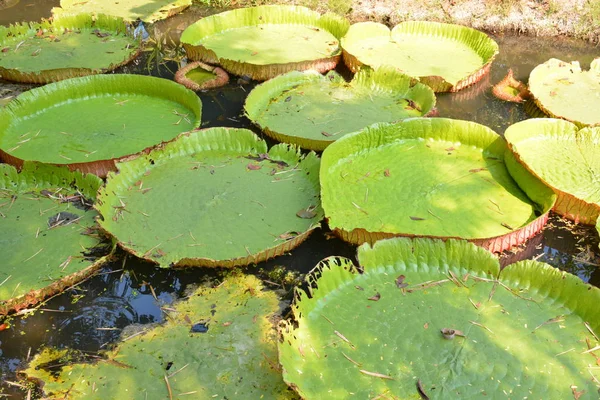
(565, 158)
(265, 41)
(89, 122)
(428, 319)
(47, 229)
(219, 343)
(431, 177)
(70, 46)
(214, 197)
(129, 10)
(444, 56)
(563, 90)
(312, 110)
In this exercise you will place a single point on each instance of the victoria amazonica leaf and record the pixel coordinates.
(312, 110)
(430, 177)
(437, 320)
(47, 229)
(69, 47)
(265, 41)
(218, 343)
(565, 158)
(129, 10)
(444, 56)
(213, 197)
(564, 90)
(89, 122)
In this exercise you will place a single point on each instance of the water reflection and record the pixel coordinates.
(26, 10)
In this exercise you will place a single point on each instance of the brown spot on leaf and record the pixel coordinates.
(375, 297)
(417, 218)
(400, 282)
(477, 170)
(307, 213)
(253, 167)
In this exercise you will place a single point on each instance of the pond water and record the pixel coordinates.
(91, 316)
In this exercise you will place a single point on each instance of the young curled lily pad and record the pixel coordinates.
(214, 197)
(565, 158)
(68, 47)
(47, 232)
(510, 89)
(199, 76)
(459, 329)
(312, 110)
(265, 41)
(233, 356)
(444, 56)
(89, 123)
(431, 177)
(563, 90)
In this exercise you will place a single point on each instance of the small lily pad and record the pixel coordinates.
(510, 89)
(199, 76)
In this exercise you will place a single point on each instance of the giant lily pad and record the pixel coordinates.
(219, 343)
(215, 197)
(313, 110)
(89, 122)
(428, 319)
(47, 228)
(444, 56)
(265, 41)
(563, 90)
(70, 46)
(430, 177)
(565, 158)
(129, 10)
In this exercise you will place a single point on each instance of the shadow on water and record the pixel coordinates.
(91, 316)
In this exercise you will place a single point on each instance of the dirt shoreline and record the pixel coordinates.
(574, 18)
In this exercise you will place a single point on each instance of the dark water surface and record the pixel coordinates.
(91, 316)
